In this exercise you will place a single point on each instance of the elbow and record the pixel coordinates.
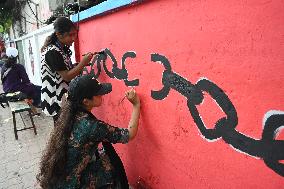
(66, 75)
(132, 134)
(67, 78)
(131, 137)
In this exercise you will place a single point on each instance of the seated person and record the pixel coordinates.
(14, 78)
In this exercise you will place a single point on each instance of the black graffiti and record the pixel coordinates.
(269, 149)
(116, 72)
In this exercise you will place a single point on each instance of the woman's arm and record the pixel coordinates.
(68, 75)
(101, 131)
(134, 120)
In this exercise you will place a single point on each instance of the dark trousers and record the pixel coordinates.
(34, 92)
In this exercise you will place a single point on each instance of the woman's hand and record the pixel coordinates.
(132, 97)
(87, 58)
(67, 75)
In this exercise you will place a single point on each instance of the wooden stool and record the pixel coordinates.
(18, 107)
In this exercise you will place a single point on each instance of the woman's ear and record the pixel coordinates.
(58, 35)
(85, 102)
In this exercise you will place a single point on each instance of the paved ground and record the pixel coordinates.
(19, 158)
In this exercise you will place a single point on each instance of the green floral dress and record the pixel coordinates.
(87, 162)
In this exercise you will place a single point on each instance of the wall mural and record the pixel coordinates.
(31, 56)
(267, 148)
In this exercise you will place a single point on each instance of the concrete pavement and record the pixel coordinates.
(19, 159)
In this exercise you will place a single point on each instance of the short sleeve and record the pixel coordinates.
(55, 60)
(103, 132)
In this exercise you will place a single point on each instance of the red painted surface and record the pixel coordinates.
(237, 45)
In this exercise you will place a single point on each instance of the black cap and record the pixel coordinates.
(87, 86)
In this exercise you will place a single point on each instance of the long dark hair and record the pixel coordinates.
(61, 25)
(53, 161)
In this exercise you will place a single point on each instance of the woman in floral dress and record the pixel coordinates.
(74, 157)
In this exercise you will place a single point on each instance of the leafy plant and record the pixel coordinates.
(5, 19)
(9, 13)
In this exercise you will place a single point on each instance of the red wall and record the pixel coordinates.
(238, 46)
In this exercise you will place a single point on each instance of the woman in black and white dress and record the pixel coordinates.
(56, 66)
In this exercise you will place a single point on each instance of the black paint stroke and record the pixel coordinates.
(116, 72)
(271, 129)
(267, 148)
(96, 61)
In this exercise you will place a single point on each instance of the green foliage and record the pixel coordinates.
(5, 20)
(7, 15)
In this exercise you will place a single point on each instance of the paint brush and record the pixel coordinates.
(95, 53)
(122, 99)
